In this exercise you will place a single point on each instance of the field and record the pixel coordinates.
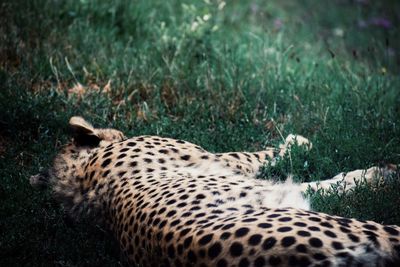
(229, 76)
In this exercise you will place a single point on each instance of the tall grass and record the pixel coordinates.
(225, 75)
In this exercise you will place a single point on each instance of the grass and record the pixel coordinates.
(228, 76)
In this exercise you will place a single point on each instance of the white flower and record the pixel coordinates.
(215, 28)
(194, 26)
(221, 5)
(206, 17)
(338, 32)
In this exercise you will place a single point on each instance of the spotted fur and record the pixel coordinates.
(172, 203)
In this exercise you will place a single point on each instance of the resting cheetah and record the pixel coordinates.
(172, 203)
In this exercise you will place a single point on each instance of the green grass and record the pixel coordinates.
(228, 78)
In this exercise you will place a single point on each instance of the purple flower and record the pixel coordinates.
(278, 24)
(381, 22)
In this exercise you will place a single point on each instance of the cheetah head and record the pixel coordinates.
(67, 176)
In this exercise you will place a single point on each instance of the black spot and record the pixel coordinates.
(185, 157)
(264, 225)
(187, 241)
(326, 263)
(205, 239)
(241, 232)
(177, 263)
(293, 261)
(300, 224)
(147, 160)
(214, 250)
(163, 151)
(303, 261)
(236, 249)
(259, 262)
(315, 242)
(225, 235)
(301, 248)
(370, 227)
(162, 224)
(131, 144)
(274, 260)
(106, 155)
(330, 234)
(255, 239)
(303, 233)
(326, 224)
(234, 155)
(106, 173)
(133, 164)
(337, 245)
(391, 230)
(121, 173)
(190, 222)
(186, 214)
(202, 253)
(222, 263)
(228, 226)
(314, 219)
(192, 257)
(342, 254)
(169, 236)
(200, 196)
(121, 156)
(171, 213)
(314, 228)
(170, 202)
(344, 229)
(171, 251)
(284, 229)
(285, 219)
(249, 220)
(184, 232)
(319, 256)
(179, 249)
(353, 238)
(244, 262)
(106, 163)
(269, 243)
(288, 241)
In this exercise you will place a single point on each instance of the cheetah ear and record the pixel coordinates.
(83, 132)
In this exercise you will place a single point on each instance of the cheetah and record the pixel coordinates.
(172, 203)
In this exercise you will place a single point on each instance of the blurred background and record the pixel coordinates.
(227, 75)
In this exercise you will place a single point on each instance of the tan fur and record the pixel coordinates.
(172, 203)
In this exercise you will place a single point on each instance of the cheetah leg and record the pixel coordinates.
(347, 181)
(250, 162)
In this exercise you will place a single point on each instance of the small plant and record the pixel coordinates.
(295, 163)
